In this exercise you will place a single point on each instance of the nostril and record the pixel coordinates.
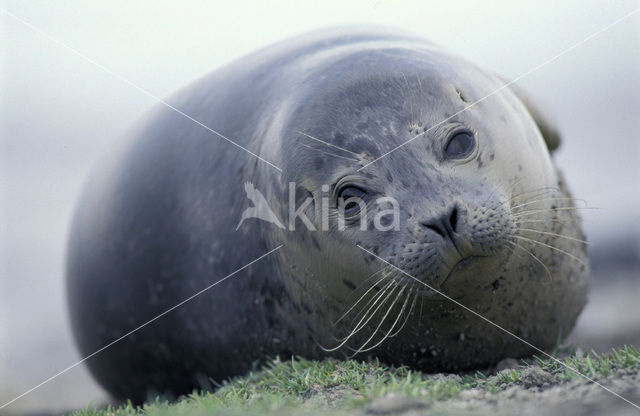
(445, 225)
(433, 227)
(453, 219)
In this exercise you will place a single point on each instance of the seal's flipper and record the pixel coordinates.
(545, 122)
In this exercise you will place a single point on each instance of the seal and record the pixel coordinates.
(461, 194)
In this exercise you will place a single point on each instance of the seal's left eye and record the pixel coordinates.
(459, 145)
(351, 198)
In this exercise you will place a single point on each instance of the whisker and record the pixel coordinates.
(329, 144)
(356, 351)
(362, 347)
(364, 311)
(366, 281)
(537, 211)
(327, 153)
(510, 249)
(421, 304)
(526, 221)
(410, 97)
(362, 324)
(535, 258)
(421, 93)
(535, 193)
(555, 235)
(506, 192)
(549, 199)
(371, 304)
(413, 304)
(513, 185)
(551, 247)
(363, 295)
(541, 190)
(532, 193)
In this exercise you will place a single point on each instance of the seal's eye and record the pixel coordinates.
(459, 145)
(351, 199)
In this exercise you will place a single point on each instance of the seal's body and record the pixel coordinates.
(482, 216)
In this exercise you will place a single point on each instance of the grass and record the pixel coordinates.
(315, 386)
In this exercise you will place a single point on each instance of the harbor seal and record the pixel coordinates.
(461, 193)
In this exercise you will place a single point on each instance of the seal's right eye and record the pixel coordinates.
(460, 145)
(351, 198)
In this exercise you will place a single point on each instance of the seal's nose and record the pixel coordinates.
(445, 225)
(454, 244)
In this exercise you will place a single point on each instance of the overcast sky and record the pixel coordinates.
(62, 114)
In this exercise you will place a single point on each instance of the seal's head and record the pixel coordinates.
(423, 172)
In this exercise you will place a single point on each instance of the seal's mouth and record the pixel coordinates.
(463, 264)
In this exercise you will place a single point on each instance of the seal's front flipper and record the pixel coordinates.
(545, 122)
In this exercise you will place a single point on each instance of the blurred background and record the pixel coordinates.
(61, 114)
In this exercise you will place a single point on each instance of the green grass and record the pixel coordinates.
(316, 386)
